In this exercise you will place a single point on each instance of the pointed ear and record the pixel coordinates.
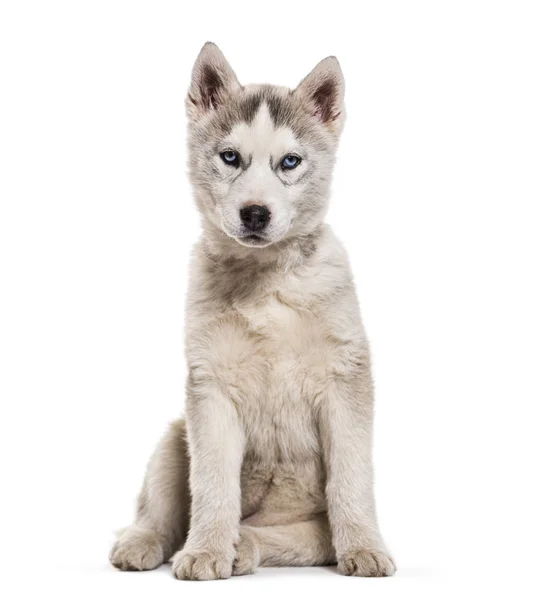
(323, 90)
(213, 80)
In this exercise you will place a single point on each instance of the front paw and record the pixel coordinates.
(366, 563)
(201, 565)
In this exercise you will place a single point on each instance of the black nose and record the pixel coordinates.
(255, 217)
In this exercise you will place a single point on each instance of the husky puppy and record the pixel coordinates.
(273, 458)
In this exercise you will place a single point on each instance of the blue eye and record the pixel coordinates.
(290, 161)
(230, 158)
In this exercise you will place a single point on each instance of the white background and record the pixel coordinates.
(437, 196)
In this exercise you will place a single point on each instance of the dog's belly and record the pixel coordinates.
(282, 493)
(283, 475)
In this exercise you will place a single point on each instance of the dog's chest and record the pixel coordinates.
(291, 336)
(272, 318)
(290, 349)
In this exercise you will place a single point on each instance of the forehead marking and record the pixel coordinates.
(261, 138)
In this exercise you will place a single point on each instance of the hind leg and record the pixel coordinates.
(163, 507)
(304, 544)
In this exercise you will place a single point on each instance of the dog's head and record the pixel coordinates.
(261, 156)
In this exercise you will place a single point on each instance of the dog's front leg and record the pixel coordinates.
(346, 430)
(216, 444)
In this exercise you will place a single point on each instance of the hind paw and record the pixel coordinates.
(247, 553)
(137, 549)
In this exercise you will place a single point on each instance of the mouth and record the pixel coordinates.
(253, 241)
(247, 238)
